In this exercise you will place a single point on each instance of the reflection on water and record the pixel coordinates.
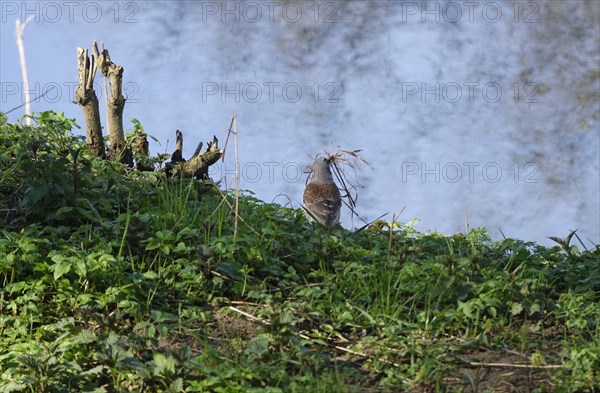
(490, 109)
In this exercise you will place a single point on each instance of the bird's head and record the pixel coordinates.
(320, 171)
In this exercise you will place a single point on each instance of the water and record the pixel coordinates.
(480, 110)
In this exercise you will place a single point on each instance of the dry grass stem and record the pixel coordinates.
(232, 208)
(237, 178)
(510, 365)
(19, 29)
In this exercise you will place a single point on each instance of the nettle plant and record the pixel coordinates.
(48, 175)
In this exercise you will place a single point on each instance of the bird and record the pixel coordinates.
(322, 200)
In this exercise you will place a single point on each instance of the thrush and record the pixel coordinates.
(322, 198)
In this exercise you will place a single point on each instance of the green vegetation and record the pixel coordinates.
(115, 280)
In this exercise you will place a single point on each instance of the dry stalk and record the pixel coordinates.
(227, 139)
(19, 29)
(233, 130)
(232, 208)
(237, 179)
(215, 273)
(242, 303)
(510, 365)
(223, 200)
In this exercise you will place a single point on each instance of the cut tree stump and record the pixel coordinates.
(86, 97)
(141, 151)
(197, 165)
(117, 148)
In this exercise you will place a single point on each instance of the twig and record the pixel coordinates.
(249, 316)
(33, 99)
(510, 365)
(242, 303)
(223, 200)
(289, 201)
(227, 140)
(237, 178)
(215, 273)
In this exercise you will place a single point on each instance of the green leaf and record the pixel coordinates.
(163, 364)
(153, 245)
(177, 385)
(81, 268)
(150, 275)
(85, 337)
(258, 346)
(160, 316)
(61, 268)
